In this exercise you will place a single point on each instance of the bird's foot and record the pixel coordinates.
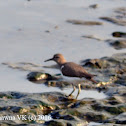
(69, 96)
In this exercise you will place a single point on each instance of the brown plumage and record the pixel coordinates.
(71, 69)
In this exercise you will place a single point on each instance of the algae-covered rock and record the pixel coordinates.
(95, 117)
(114, 110)
(11, 95)
(62, 110)
(39, 76)
(61, 84)
(95, 63)
(5, 96)
(115, 61)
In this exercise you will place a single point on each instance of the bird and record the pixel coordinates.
(71, 69)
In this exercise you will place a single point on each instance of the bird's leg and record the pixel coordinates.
(79, 90)
(74, 88)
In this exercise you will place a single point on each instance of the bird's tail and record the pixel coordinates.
(93, 81)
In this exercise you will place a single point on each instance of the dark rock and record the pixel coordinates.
(17, 95)
(119, 34)
(59, 115)
(95, 117)
(114, 110)
(68, 124)
(118, 44)
(54, 123)
(94, 6)
(14, 109)
(4, 95)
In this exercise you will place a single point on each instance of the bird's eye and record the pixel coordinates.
(56, 57)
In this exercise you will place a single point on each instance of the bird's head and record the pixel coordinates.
(58, 58)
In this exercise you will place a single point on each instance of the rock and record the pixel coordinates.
(119, 34)
(95, 63)
(114, 110)
(62, 110)
(93, 37)
(121, 11)
(118, 44)
(107, 70)
(120, 119)
(5, 96)
(118, 16)
(54, 123)
(39, 76)
(121, 91)
(24, 66)
(107, 62)
(81, 22)
(14, 109)
(11, 95)
(61, 84)
(95, 117)
(121, 79)
(94, 6)
(114, 20)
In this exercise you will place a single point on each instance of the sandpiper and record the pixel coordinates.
(71, 69)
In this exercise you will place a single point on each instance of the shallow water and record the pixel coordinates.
(94, 124)
(86, 94)
(23, 37)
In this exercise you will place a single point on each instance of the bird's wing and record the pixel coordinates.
(74, 70)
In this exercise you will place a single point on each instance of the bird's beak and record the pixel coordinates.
(48, 60)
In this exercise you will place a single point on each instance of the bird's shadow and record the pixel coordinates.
(55, 66)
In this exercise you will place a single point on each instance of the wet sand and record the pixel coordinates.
(32, 31)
